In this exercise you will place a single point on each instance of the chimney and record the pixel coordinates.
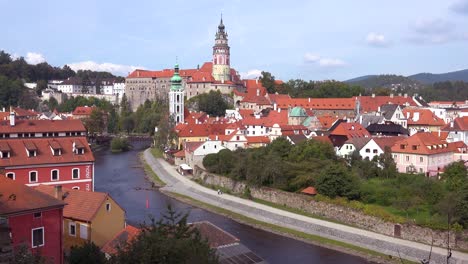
(378, 109)
(279, 110)
(216, 137)
(405, 95)
(416, 116)
(138, 73)
(256, 81)
(309, 99)
(275, 106)
(407, 115)
(12, 118)
(451, 124)
(373, 95)
(360, 119)
(439, 132)
(391, 95)
(58, 192)
(258, 92)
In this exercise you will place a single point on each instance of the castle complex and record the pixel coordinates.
(216, 75)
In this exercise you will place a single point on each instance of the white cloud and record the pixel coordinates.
(377, 40)
(34, 58)
(323, 62)
(251, 74)
(460, 7)
(432, 26)
(117, 69)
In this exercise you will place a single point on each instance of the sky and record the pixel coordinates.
(311, 40)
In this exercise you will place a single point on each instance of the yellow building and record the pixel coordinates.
(88, 216)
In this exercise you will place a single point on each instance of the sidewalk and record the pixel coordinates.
(384, 244)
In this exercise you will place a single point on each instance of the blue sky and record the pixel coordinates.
(312, 40)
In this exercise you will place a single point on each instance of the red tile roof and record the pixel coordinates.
(458, 147)
(83, 110)
(421, 143)
(351, 130)
(258, 139)
(19, 157)
(372, 103)
(383, 142)
(180, 154)
(327, 121)
(443, 134)
(324, 139)
(215, 236)
(121, 239)
(18, 198)
(201, 130)
(192, 146)
(309, 190)
(20, 112)
(426, 117)
(317, 103)
(81, 205)
(459, 124)
(42, 126)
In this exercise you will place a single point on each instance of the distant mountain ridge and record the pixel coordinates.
(388, 80)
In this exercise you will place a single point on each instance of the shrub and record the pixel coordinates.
(119, 145)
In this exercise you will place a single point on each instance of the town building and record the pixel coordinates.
(88, 216)
(424, 153)
(457, 130)
(346, 131)
(421, 119)
(176, 97)
(216, 75)
(124, 237)
(196, 151)
(377, 146)
(35, 220)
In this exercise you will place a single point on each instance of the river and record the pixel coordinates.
(122, 176)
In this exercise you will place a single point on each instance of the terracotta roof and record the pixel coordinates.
(324, 139)
(20, 112)
(18, 198)
(317, 103)
(426, 117)
(4, 115)
(42, 126)
(273, 117)
(327, 121)
(421, 143)
(372, 103)
(296, 139)
(443, 134)
(215, 236)
(351, 130)
(274, 97)
(257, 139)
(309, 190)
(358, 142)
(459, 124)
(19, 157)
(121, 239)
(383, 142)
(84, 110)
(458, 147)
(201, 130)
(180, 154)
(81, 205)
(259, 100)
(192, 146)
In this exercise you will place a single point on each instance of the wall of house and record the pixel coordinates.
(21, 231)
(106, 224)
(181, 140)
(370, 150)
(339, 213)
(346, 150)
(44, 175)
(74, 240)
(422, 163)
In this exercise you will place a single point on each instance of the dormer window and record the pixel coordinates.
(4, 150)
(78, 148)
(414, 147)
(31, 149)
(402, 146)
(55, 148)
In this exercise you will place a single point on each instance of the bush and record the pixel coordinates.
(119, 145)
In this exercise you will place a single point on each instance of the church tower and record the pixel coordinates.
(176, 97)
(221, 57)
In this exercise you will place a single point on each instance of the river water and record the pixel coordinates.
(122, 176)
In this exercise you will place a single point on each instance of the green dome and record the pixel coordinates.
(297, 112)
(176, 80)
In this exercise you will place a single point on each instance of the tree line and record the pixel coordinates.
(292, 168)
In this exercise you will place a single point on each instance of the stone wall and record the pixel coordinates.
(338, 213)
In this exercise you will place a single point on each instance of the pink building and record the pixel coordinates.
(422, 153)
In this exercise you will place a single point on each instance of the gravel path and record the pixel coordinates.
(351, 235)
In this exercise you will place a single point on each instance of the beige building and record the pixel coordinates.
(88, 216)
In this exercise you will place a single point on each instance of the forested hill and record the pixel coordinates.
(384, 80)
(14, 72)
(430, 78)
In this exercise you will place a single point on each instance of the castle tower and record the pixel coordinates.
(221, 57)
(176, 97)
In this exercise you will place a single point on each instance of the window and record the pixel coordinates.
(75, 173)
(367, 150)
(5, 154)
(31, 153)
(33, 176)
(76, 188)
(374, 151)
(37, 237)
(38, 215)
(72, 229)
(421, 159)
(54, 175)
(10, 175)
(83, 231)
(108, 207)
(407, 158)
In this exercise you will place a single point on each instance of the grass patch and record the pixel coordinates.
(157, 153)
(318, 240)
(151, 173)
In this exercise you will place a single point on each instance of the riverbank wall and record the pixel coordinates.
(342, 214)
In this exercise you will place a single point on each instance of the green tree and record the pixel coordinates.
(113, 121)
(169, 240)
(22, 255)
(455, 175)
(41, 85)
(86, 253)
(335, 180)
(268, 81)
(128, 124)
(212, 103)
(95, 123)
(387, 164)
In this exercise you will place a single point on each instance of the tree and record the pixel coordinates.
(335, 180)
(41, 85)
(128, 124)
(113, 122)
(268, 81)
(95, 122)
(86, 253)
(387, 164)
(169, 240)
(455, 175)
(22, 255)
(212, 103)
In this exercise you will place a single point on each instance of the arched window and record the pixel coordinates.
(54, 175)
(10, 175)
